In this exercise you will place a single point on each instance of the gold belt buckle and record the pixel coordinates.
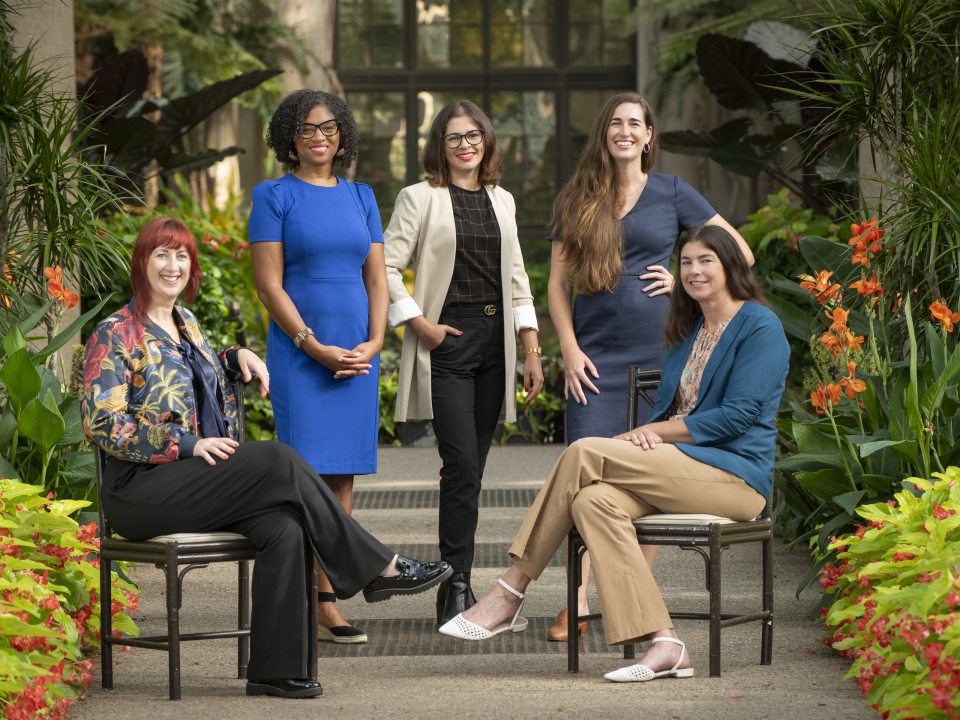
(489, 310)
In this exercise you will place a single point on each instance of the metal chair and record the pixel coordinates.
(706, 535)
(178, 554)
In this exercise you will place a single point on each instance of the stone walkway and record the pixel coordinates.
(410, 671)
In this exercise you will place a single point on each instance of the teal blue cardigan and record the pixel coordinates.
(733, 423)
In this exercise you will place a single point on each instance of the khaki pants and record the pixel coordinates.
(600, 485)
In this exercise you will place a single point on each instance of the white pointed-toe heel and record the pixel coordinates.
(641, 673)
(460, 627)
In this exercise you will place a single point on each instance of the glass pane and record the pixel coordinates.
(369, 33)
(522, 33)
(449, 34)
(599, 33)
(382, 158)
(526, 130)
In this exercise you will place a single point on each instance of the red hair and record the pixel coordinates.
(161, 233)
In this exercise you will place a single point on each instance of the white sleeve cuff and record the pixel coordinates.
(403, 310)
(525, 318)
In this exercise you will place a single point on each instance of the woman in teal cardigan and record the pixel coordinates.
(707, 448)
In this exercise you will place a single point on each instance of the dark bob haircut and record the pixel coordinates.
(741, 282)
(161, 233)
(434, 155)
(284, 127)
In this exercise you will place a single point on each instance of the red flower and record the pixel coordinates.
(902, 555)
(953, 599)
(941, 514)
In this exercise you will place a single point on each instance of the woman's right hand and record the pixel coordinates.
(575, 366)
(211, 448)
(431, 334)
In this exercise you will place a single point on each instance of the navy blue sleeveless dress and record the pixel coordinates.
(625, 326)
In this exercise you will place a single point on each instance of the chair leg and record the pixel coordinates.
(766, 627)
(106, 626)
(312, 652)
(173, 620)
(574, 555)
(715, 600)
(243, 617)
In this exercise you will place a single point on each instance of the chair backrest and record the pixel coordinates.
(639, 384)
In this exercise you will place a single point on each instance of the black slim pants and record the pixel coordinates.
(271, 495)
(467, 376)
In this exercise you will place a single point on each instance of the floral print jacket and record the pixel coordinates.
(137, 395)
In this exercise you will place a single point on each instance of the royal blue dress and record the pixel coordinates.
(625, 326)
(326, 234)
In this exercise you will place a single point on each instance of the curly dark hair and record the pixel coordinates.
(290, 114)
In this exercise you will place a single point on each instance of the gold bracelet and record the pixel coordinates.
(535, 350)
(301, 336)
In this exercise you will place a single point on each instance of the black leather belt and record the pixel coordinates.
(472, 310)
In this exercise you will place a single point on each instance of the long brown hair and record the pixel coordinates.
(741, 282)
(585, 212)
(435, 159)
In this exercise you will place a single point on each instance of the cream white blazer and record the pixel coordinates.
(422, 233)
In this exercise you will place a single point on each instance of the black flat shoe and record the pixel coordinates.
(285, 688)
(458, 597)
(414, 577)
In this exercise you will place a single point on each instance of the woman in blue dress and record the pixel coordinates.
(317, 247)
(615, 224)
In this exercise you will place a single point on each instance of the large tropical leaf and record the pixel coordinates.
(697, 142)
(750, 156)
(741, 75)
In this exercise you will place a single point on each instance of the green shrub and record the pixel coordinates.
(897, 593)
(49, 585)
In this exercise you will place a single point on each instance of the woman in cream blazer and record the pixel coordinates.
(458, 366)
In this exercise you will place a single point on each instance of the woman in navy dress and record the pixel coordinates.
(615, 224)
(317, 247)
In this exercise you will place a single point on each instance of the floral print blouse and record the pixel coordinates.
(137, 396)
(700, 352)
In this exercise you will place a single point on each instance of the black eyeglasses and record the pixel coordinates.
(328, 129)
(453, 140)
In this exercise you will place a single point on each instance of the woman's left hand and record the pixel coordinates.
(532, 378)
(662, 280)
(358, 360)
(250, 365)
(642, 437)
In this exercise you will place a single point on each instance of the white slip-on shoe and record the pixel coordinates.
(641, 673)
(460, 627)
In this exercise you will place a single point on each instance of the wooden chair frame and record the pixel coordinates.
(177, 555)
(706, 538)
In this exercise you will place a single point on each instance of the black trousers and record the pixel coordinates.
(271, 495)
(468, 376)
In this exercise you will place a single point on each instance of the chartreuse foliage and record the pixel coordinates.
(897, 589)
(49, 585)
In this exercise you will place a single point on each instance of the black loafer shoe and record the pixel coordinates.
(285, 688)
(414, 577)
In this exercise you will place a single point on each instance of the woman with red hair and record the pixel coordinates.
(157, 402)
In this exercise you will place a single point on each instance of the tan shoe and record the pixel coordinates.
(558, 632)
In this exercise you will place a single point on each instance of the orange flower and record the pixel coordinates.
(820, 286)
(940, 311)
(55, 287)
(824, 395)
(865, 241)
(851, 385)
(832, 342)
(839, 318)
(868, 287)
(842, 339)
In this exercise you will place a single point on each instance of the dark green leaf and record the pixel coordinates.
(811, 461)
(13, 341)
(867, 449)
(65, 335)
(696, 142)
(881, 485)
(849, 500)
(825, 484)
(810, 439)
(7, 470)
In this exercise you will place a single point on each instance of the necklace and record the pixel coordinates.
(707, 340)
(630, 198)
